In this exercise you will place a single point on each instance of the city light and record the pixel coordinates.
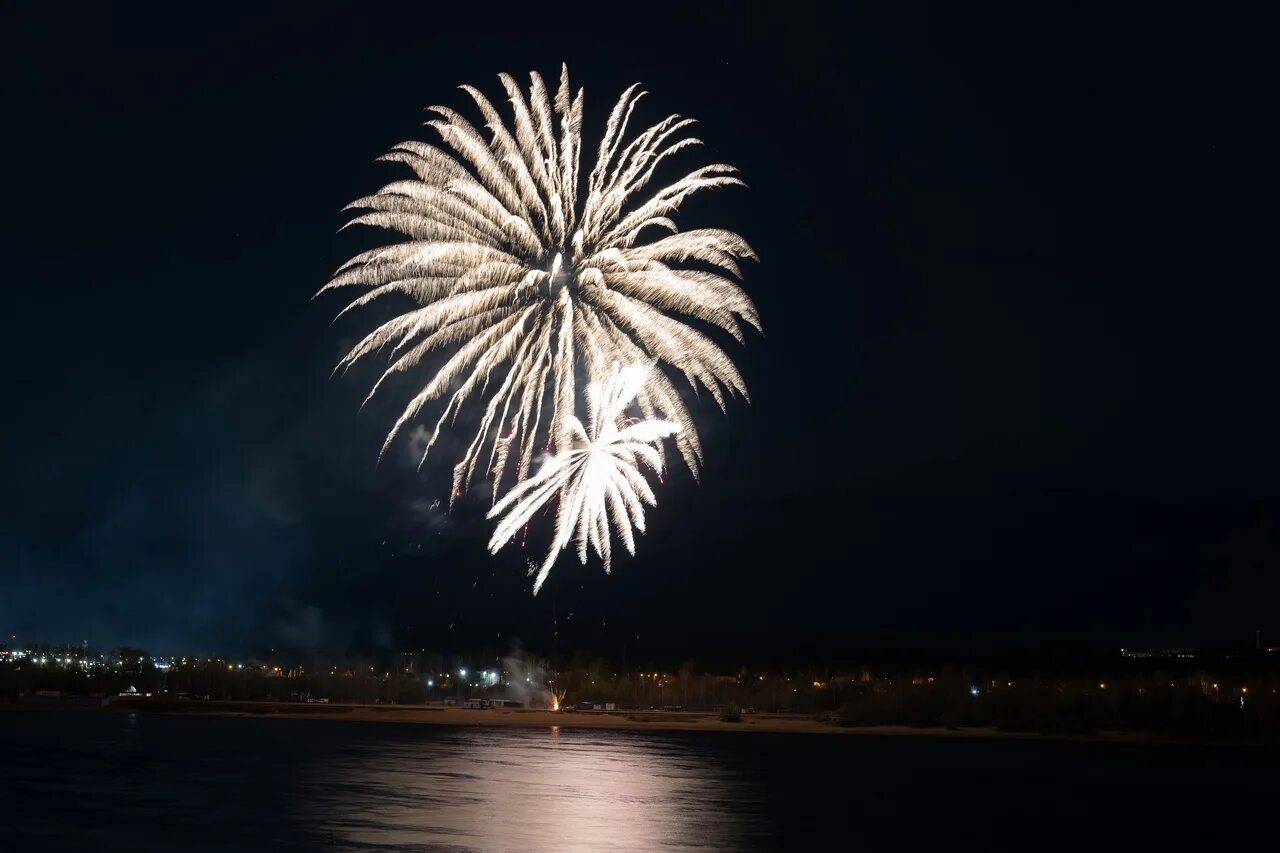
(190, 677)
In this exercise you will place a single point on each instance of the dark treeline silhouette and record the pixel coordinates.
(1227, 696)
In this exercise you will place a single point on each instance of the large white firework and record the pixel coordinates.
(525, 271)
(598, 479)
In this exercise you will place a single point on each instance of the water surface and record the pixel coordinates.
(141, 782)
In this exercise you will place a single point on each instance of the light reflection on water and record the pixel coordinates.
(107, 782)
(526, 789)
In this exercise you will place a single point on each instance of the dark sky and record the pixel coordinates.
(1016, 386)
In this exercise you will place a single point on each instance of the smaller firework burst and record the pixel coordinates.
(597, 480)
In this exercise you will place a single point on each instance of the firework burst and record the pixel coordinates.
(597, 480)
(523, 268)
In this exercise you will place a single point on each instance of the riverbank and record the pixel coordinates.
(681, 721)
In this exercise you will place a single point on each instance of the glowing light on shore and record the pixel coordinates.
(526, 269)
(597, 480)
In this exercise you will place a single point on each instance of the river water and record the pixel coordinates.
(141, 783)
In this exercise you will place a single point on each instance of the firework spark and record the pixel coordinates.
(597, 480)
(523, 268)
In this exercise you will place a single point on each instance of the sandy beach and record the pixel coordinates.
(684, 721)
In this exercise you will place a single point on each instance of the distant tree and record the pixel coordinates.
(684, 679)
(625, 691)
(132, 660)
(409, 689)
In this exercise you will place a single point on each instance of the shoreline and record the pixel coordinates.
(636, 721)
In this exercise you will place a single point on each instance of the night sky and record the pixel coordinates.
(1016, 387)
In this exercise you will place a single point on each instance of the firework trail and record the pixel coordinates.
(597, 480)
(522, 268)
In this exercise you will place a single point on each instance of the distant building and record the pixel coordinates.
(56, 699)
(1158, 653)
